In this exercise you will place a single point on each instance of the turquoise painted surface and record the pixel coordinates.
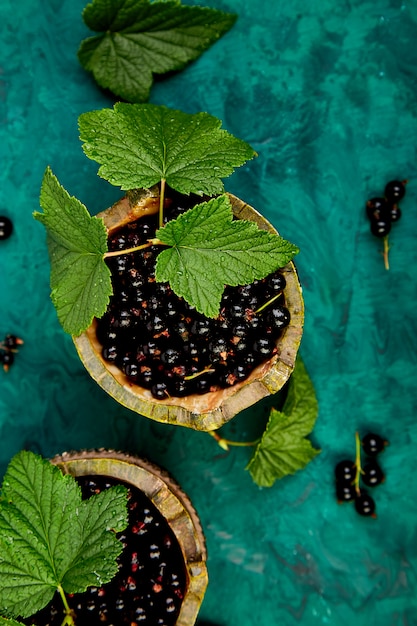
(326, 93)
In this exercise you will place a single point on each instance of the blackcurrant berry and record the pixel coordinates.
(380, 228)
(11, 342)
(377, 209)
(372, 473)
(7, 359)
(278, 317)
(159, 390)
(264, 346)
(275, 283)
(364, 504)
(345, 492)
(395, 213)
(6, 227)
(373, 444)
(345, 471)
(395, 190)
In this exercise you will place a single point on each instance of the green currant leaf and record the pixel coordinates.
(4, 621)
(210, 250)
(283, 448)
(141, 145)
(80, 278)
(140, 38)
(46, 528)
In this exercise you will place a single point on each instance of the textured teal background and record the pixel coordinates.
(325, 91)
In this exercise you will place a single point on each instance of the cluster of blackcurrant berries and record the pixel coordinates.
(8, 348)
(383, 211)
(163, 344)
(350, 474)
(6, 227)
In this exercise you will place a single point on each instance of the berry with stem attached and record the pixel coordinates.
(365, 504)
(383, 212)
(395, 190)
(373, 444)
(372, 473)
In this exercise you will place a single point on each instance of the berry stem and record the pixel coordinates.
(268, 302)
(161, 203)
(225, 443)
(385, 252)
(358, 466)
(206, 370)
(68, 619)
(151, 242)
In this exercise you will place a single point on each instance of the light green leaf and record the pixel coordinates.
(140, 39)
(45, 527)
(80, 279)
(283, 448)
(210, 250)
(140, 145)
(4, 621)
(301, 406)
(95, 563)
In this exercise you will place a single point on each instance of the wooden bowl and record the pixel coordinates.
(211, 410)
(168, 498)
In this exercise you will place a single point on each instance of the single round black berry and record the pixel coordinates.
(373, 444)
(395, 190)
(11, 342)
(345, 471)
(372, 473)
(380, 227)
(345, 492)
(377, 209)
(364, 504)
(6, 227)
(395, 213)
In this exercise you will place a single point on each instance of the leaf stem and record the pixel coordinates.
(358, 466)
(151, 242)
(385, 252)
(161, 203)
(225, 443)
(69, 616)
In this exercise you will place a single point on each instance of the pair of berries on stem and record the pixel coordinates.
(8, 348)
(349, 474)
(383, 211)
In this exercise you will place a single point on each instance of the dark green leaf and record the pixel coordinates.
(210, 250)
(45, 528)
(80, 279)
(284, 448)
(140, 145)
(140, 39)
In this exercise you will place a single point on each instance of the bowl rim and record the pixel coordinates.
(209, 411)
(170, 500)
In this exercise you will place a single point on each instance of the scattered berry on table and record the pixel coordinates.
(6, 227)
(8, 348)
(382, 212)
(373, 444)
(372, 473)
(395, 190)
(365, 504)
(350, 474)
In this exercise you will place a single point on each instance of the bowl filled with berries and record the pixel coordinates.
(106, 537)
(183, 300)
